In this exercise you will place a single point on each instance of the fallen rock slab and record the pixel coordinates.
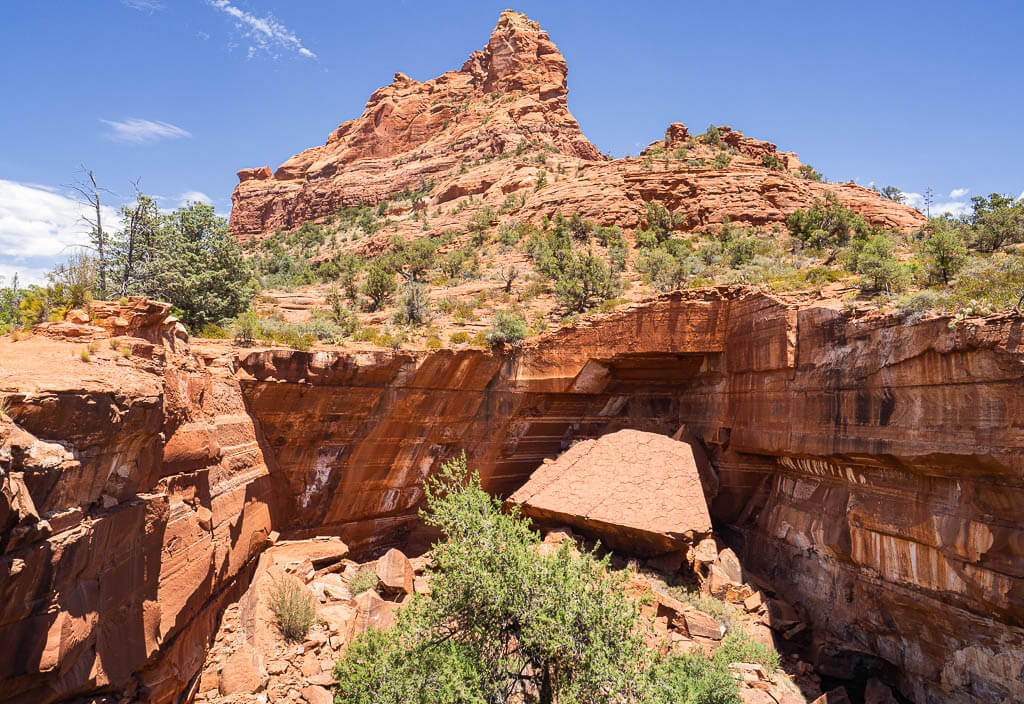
(636, 492)
(395, 572)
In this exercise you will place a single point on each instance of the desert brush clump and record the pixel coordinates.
(506, 622)
(364, 579)
(292, 604)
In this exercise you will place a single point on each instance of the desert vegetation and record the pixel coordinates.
(514, 623)
(522, 276)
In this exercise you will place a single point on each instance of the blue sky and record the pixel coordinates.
(182, 93)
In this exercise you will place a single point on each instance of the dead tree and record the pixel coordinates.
(89, 194)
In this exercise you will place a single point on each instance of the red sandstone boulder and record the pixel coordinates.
(243, 673)
(314, 694)
(395, 572)
(372, 612)
(637, 492)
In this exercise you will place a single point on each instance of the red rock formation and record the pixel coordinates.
(512, 91)
(637, 492)
(465, 132)
(147, 497)
(869, 469)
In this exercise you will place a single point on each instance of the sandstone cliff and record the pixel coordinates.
(870, 469)
(491, 128)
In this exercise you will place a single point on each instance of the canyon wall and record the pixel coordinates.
(870, 470)
(134, 496)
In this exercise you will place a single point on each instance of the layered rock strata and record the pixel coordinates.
(134, 496)
(500, 127)
(870, 470)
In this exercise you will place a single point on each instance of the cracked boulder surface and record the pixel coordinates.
(635, 491)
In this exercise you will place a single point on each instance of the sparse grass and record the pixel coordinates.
(363, 580)
(366, 334)
(84, 355)
(738, 646)
(293, 605)
(724, 612)
(126, 351)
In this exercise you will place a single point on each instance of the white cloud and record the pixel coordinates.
(193, 197)
(958, 193)
(956, 208)
(266, 33)
(144, 5)
(139, 131)
(40, 226)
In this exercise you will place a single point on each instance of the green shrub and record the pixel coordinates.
(413, 305)
(412, 259)
(246, 328)
(997, 220)
(691, 679)
(712, 136)
(806, 171)
(995, 282)
(721, 160)
(212, 331)
(293, 605)
(480, 224)
(922, 301)
(380, 284)
(738, 646)
(826, 224)
(508, 624)
(945, 250)
(892, 193)
(366, 334)
(392, 338)
(661, 221)
(508, 327)
(584, 280)
(875, 258)
(459, 338)
(661, 270)
(771, 161)
(363, 580)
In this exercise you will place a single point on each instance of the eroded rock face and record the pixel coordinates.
(477, 131)
(869, 469)
(139, 495)
(512, 90)
(635, 491)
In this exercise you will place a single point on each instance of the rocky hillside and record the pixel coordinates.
(500, 126)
